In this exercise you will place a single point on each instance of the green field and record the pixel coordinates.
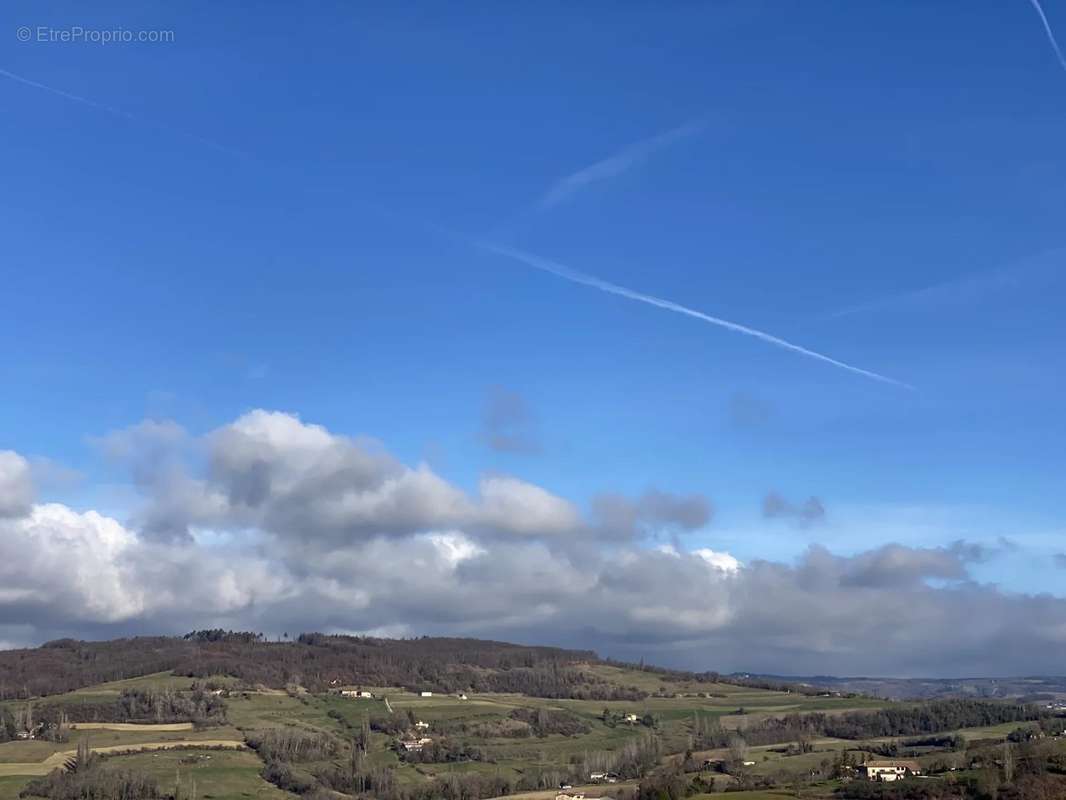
(220, 774)
(11, 786)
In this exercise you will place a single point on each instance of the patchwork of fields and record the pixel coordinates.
(179, 753)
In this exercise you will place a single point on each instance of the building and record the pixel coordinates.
(461, 695)
(632, 719)
(422, 726)
(415, 745)
(360, 693)
(425, 694)
(889, 770)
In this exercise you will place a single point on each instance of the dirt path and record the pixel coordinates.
(57, 760)
(131, 726)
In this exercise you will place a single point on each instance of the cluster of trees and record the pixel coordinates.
(672, 784)
(636, 758)
(220, 635)
(544, 721)
(934, 717)
(613, 718)
(442, 751)
(8, 729)
(24, 718)
(918, 720)
(85, 778)
(142, 705)
(293, 745)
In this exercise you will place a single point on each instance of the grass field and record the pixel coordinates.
(56, 759)
(10, 786)
(222, 775)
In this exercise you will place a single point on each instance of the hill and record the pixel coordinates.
(229, 715)
(312, 660)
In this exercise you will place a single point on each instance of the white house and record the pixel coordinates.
(420, 725)
(632, 719)
(890, 770)
(425, 694)
(415, 745)
(359, 693)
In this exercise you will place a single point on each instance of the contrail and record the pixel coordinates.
(118, 112)
(969, 288)
(1049, 32)
(588, 280)
(617, 163)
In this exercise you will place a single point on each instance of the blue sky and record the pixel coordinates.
(281, 210)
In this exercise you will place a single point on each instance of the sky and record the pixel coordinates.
(727, 335)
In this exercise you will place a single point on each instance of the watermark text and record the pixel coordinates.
(77, 34)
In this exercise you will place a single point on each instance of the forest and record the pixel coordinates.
(312, 660)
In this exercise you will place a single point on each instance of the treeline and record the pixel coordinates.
(545, 721)
(94, 784)
(85, 778)
(292, 744)
(312, 660)
(918, 720)
(935, 717)
(141, 705)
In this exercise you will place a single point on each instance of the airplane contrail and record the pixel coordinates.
(574, 276)
(1050, 34)
(617, 164)
(118, 112)
(969, 288)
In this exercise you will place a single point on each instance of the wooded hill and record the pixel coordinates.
(315, 661)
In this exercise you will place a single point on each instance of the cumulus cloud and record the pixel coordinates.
(811, 510)
(295, 527)
(654, 511)
(16, 485)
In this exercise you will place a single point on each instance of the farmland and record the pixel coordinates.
(258, 740)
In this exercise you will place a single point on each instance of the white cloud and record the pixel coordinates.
(512, 505)
(16, 485)
(306, 529)
(73, 564)
(720, 561)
